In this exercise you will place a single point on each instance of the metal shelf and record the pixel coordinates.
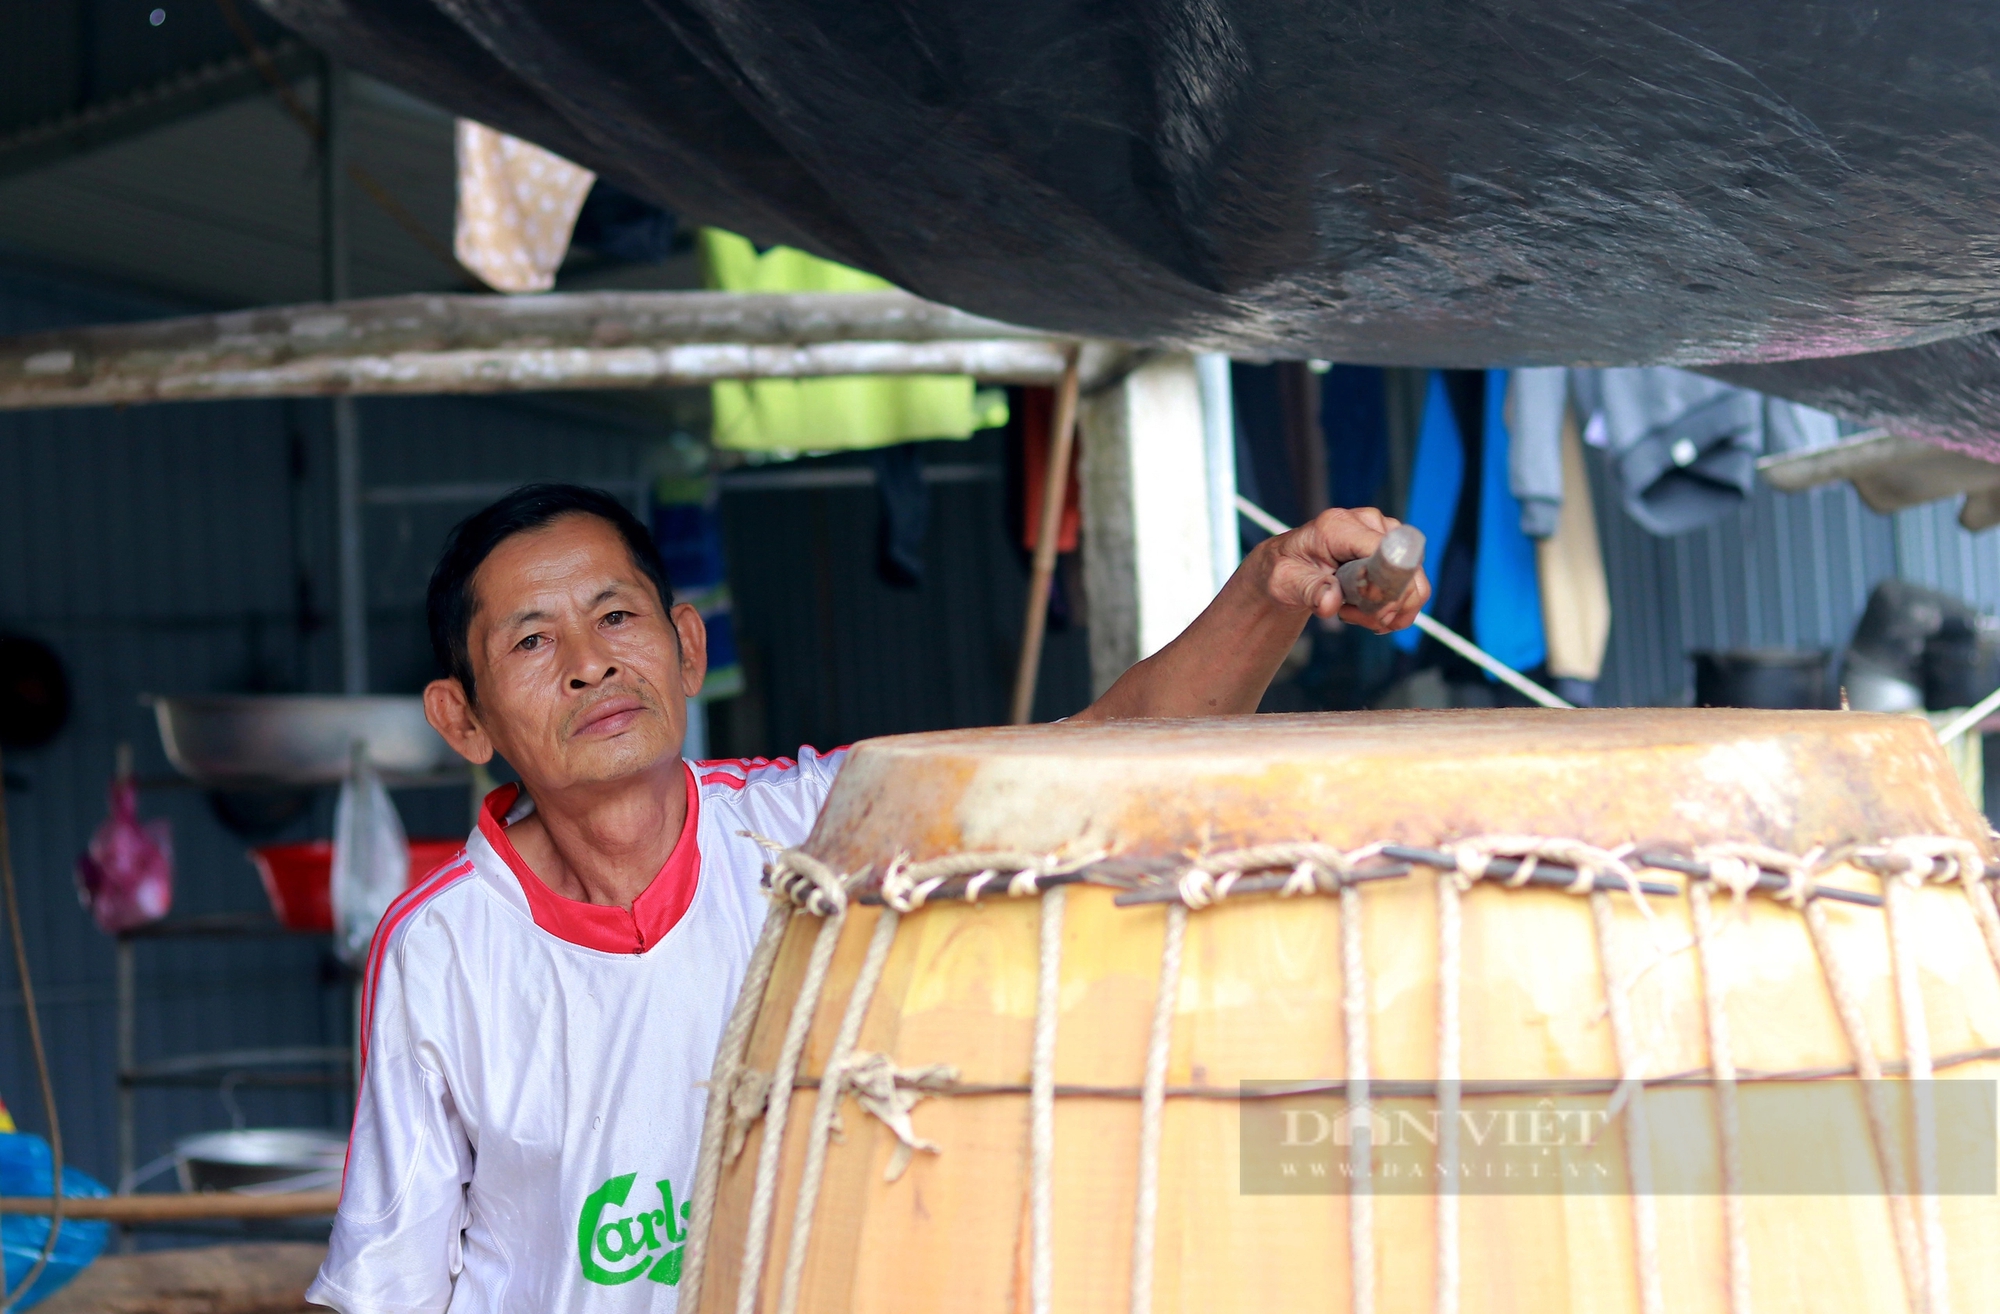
(231, 925)
(309, 1065)
(203, 1069)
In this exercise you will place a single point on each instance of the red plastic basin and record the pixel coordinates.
(298, 878)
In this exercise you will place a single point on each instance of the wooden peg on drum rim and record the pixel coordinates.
(1170, 892)
(1554, 875)
(1767, 882)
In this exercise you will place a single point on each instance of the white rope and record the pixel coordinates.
(1897, 893)
(1449, 1044)
(722, 1083)
(1987, 915)
(1152, 1107)
(812, 885)
(1042, 1108)
(1875, 1098)
(1722, 1062)
(1638, 1135)
(828, 1104)
(1361, 1187)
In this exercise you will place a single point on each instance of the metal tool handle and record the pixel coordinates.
(1375, 581)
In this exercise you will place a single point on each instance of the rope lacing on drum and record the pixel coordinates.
(1315, 869)
(806, 884)
(802, 879)
(1738, 867)
(1474, 857)
(907, 884)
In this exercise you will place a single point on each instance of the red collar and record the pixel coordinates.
(655, 912)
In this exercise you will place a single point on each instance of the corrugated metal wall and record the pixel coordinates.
(834, 654)
(162, 549)
(1788, 570)
(189, 548)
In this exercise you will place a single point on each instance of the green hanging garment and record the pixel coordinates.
(824, 415)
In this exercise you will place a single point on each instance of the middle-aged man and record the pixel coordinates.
(539, 1014)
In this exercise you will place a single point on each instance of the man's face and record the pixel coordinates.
(582, 676)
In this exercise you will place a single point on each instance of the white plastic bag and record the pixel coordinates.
(371, 860)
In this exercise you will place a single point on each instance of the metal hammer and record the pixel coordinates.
(1374, 582)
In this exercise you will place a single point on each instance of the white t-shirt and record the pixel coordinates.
(532, 1089)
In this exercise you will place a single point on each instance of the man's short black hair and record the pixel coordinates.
(450, 602)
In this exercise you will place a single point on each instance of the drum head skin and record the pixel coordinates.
(1669, 775)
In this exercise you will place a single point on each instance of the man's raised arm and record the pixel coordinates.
(1223, 662)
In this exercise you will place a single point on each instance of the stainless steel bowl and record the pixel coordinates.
(260, 1160)
(297, 739)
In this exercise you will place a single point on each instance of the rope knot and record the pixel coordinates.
(804, 880)
(1475, 856)
(1315, 869)
(1932, 857)
(890, 1093)
(1738, 867)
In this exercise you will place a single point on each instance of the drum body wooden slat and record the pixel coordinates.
(1260, 998)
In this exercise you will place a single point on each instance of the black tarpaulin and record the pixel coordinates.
(1417, 183)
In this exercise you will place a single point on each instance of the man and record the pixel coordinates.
(540, 1013)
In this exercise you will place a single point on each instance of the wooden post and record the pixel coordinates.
(1148, 562)
(1048, 532)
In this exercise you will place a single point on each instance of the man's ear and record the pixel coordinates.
(694, 647)
(451, 715)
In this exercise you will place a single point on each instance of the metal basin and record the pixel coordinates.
(296, 739)
(260, 1160)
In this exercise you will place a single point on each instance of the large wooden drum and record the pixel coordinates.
(1173, 1016)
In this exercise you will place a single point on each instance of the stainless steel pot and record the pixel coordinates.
(296, 739)
(260, 1160)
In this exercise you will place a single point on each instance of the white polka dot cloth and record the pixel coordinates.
(516, 206)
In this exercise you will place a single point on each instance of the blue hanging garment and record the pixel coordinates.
(1436, 477)
(1506, 589)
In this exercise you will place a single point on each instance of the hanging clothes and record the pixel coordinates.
(1576, 599)
(516, 206)
(1354, 417)
(823, 415)
(1482, 567)
(1682, 446)
(1264, 467)
(1506, 594)
(687, 527)
(904, 519)
(1436, 479)
(1036, 419)
(1536, 401)
(618, 226)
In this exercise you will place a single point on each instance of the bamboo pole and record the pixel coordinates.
(1055, 484)
(168, 1207)
(485, 344)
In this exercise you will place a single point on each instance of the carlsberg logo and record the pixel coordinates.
(615, 1246)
